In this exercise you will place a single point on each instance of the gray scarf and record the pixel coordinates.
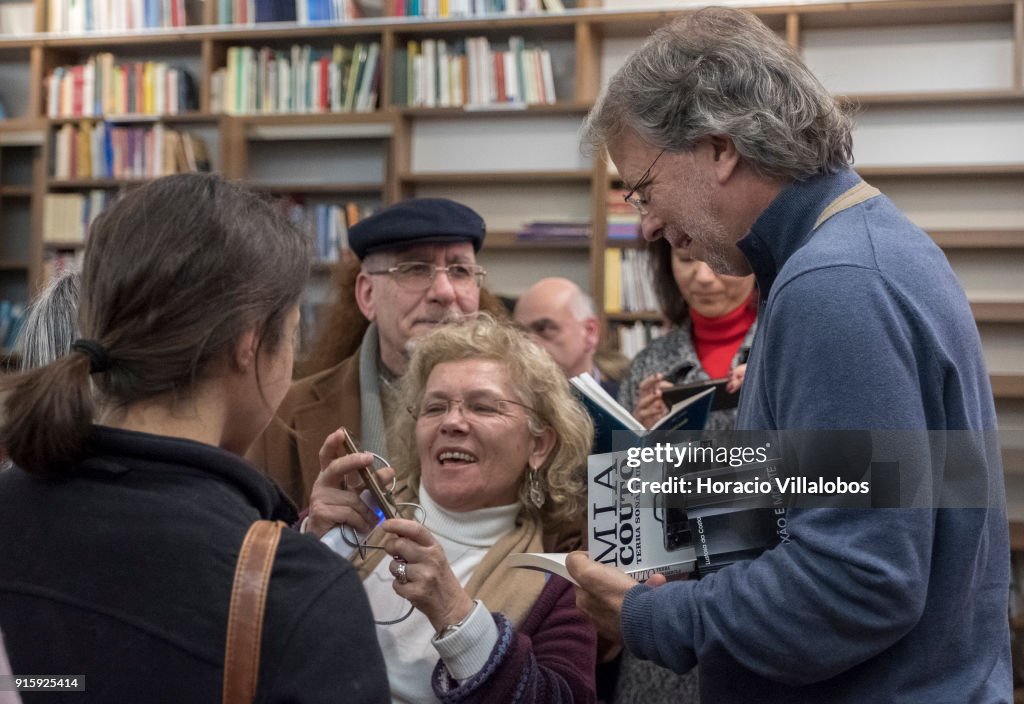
(374, 428)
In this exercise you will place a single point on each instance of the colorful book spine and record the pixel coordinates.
(101, 87)
(109, 151)
(470, 72)
(84, 16)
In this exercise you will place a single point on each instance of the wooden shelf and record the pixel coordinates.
(647, 316)
(1016, 535)
(503, 111)
(503, 240)
(185, 117)
(312, 118)
(492, 177)
(1008, 386)
(63, 245)
(978, 239)
(637, 243)
(74, 183)
(177, 37)
(963, 97)
(319, 189)
(998, 311)
(1013, 460)
(13, 265)
(309, 126)
(16, 49)
(17, 191)
(22, 132)
(942, 171)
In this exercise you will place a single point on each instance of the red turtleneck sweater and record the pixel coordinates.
(718, 339)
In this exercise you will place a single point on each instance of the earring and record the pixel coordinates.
(536, 492)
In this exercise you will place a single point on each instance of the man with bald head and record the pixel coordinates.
(561, 318)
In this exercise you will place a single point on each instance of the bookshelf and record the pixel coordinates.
(939, 86)
(21, 179)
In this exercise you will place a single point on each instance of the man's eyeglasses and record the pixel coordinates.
(472, 409)
(418, 276)
(636, 201)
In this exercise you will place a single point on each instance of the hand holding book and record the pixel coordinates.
(650, 406)
(601, 593)
(610, 417)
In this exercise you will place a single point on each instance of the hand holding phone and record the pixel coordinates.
(383, 497)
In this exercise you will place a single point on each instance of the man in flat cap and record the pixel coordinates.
(418, 270)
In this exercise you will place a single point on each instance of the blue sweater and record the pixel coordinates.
(863, 326)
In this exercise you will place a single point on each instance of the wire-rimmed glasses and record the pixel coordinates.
(418, 276)
(632, 198)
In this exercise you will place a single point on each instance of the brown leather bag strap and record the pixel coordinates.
(245, 619)
(854, 196)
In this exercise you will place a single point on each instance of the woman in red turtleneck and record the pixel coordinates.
(713, 321)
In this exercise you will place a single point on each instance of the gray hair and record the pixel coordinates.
(51, 324)
(722, 71)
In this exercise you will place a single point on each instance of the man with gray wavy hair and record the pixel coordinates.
(733, 149)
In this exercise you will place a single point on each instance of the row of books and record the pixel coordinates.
(623, 219)
(78, 16)
(12, 313)
(305, 11)
(301, 80)
(102, 150)
(554, 231)
(302, 11)
(627, 281)
(634, 337)
(67, 216)
(101, 87)
(326, 223)
(439, 73)
(473, 8)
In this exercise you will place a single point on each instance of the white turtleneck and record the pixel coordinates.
(409, 647)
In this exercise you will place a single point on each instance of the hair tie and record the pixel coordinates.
(99, 360)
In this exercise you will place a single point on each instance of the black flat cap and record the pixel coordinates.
(417, 221)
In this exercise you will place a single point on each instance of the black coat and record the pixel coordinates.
(122, 573)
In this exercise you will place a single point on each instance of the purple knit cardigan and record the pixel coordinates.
(549, 659)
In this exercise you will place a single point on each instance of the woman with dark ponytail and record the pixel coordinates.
(123, 517)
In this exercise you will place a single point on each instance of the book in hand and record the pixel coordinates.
(723, 400)
(609, 416)
(675, 534)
